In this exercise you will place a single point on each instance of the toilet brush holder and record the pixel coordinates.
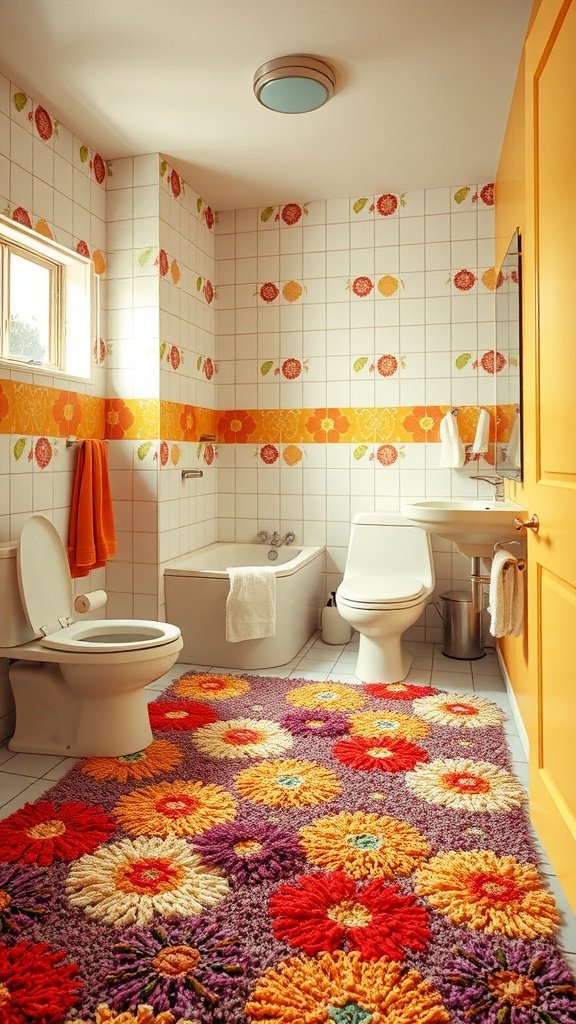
(335, 629)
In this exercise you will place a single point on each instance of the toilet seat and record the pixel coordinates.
(106, 636)
(380, 592)
(48, 600)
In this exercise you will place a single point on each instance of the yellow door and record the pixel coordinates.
(550, 418)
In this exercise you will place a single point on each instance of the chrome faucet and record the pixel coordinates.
(498, 484)
(277, 541)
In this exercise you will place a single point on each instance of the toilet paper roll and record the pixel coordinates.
(90, 602)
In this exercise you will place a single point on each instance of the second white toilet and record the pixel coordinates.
(388, 579)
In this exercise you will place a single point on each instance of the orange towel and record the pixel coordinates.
(91, 533)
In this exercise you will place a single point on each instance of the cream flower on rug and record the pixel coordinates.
(467, 711)
(497, 895)
(242, 737)
(465, 785)
(128, 882)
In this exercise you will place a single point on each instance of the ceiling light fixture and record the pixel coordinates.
(295, 84)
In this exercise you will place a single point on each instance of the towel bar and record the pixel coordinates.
(70, 441)
(187, 474)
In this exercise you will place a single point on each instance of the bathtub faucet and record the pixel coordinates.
(277, 541)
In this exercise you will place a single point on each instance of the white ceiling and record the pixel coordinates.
(422, 94)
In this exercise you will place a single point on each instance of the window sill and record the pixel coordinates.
(43, 371)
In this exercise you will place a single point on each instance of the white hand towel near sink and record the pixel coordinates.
(251, 603)
(452, 454)
(506, 596)
(482, 432)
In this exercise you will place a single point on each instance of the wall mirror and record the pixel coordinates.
(507, 364)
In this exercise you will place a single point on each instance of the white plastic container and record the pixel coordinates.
(335, 629)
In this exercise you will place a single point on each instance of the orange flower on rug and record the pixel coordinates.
(211, 687)
(174, 808)
(364, 845)
(347, 989)
(488, 893)
(288, 783)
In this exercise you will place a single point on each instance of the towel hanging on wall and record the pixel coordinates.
(452, 454)
(480, 443)
(91, 533)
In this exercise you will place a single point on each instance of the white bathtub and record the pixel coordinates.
(197, 586)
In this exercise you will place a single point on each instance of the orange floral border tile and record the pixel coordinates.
(36, 410)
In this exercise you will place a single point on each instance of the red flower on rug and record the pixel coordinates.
(177, 715)
(44, 832)
(323, 912)
(367, 754)
(37, 986)
(398, 691)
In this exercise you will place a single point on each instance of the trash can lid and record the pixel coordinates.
(460, 596)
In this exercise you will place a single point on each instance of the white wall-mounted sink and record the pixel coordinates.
(474, 526)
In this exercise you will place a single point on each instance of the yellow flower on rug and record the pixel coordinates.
(392, 724)
(242, 737)
(343, 988)
(287, 783)
(143, 1015)
(364, 845)
(159, 758)
(128, 882)
(174, 808)
(211, 686)
(468, 711)
(497, 895)
(465, 785)
(328, 696)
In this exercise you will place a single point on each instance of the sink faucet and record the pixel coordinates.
(498, 484)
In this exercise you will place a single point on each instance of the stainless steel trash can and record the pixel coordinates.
(462, 635)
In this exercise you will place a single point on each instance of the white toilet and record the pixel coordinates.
(388, 579)
(79, 687)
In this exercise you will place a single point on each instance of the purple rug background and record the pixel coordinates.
(244, 910)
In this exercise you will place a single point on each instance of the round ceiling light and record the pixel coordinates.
(295, 84)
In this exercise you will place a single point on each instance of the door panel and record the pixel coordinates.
(550, 332)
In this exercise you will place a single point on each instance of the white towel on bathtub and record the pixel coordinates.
(251, 603)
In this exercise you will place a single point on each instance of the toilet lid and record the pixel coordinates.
(379, 589)
(44, 577)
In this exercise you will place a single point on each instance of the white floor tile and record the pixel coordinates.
(344, 677)
(11, 785)
(34, 791)
(486, 667)
(59, 771)
(452, 682)
(418, 675)
(567, 933)
(5, 754)
(317, 677)
(450, 664)
(517, 751)
(33, 765)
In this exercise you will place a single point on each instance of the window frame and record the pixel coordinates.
(73, 303)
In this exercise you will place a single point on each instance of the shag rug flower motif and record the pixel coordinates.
(285, 852)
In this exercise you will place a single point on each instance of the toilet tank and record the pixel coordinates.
(386, 544)
(14, 626)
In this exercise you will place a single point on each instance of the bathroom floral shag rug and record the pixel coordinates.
(285, 852)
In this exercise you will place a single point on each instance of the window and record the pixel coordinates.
(45, 301)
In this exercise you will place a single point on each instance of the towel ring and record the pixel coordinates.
(503, 545)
